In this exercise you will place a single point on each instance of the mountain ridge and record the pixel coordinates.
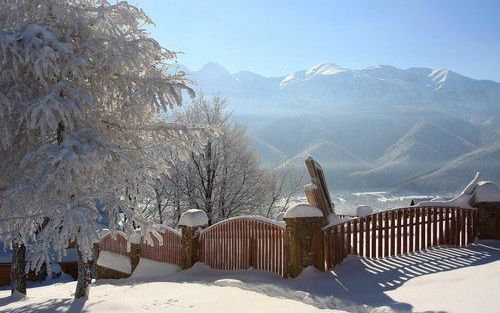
(411, 126)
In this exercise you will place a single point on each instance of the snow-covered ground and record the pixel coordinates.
(443, 279)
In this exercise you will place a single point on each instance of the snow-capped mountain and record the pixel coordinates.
(329, 86)
(376, 127)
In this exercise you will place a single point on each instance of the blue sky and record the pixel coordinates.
(276, 37)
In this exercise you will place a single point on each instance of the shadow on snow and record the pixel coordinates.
(358, 284)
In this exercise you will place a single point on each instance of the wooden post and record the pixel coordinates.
(434, 226)
(470, 237)
(361, 236)
(462, 226)
(355, 237)
(453, 232)
(405, 231)
(374, 236)
(393, 233)
(429, 228)
(335, 246)
(399, 235)
(417, 229)
(386, 234)
(423, 230)
(367, 236)
(411, 231)
(447, 226)
(341, 242)
(380, 235)
(475, 225)
(348, 239)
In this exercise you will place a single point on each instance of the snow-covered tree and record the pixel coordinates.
(83, 95)
(283, 185)
(225, 178)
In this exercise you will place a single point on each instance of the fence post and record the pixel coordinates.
(191, 222)
(135, 255)
(304, 239)
(487, 220)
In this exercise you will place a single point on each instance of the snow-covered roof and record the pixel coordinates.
(193, 218)
(302, 210)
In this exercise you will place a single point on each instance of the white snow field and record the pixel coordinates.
(447, 279)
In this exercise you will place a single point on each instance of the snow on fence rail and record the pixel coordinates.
(242, 243)
(170, 252)
(399, 231)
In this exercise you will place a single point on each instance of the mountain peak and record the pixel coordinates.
(214, 69)
(325, 69)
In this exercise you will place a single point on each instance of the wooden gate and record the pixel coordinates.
(242, 243)
(399, 231)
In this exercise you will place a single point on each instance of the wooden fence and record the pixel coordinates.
(399, 231)
(117, 245)
(237, 243)
(242, 243)
(170, 251)
(254, 242)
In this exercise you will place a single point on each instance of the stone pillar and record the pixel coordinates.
(304, 239)
(97, 250)
(135, 255)
(488, 220)
(191, 222)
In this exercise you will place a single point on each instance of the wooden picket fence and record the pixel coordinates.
(236, 243)
(254, 242)
(170, 251)
(117, 245)
(243, 243)
(399, 231)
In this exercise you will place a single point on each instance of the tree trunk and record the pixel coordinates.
(18, 269)
(210, 181)
(178, 209)
(84, 277)
(84, 273)
(159, 204)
